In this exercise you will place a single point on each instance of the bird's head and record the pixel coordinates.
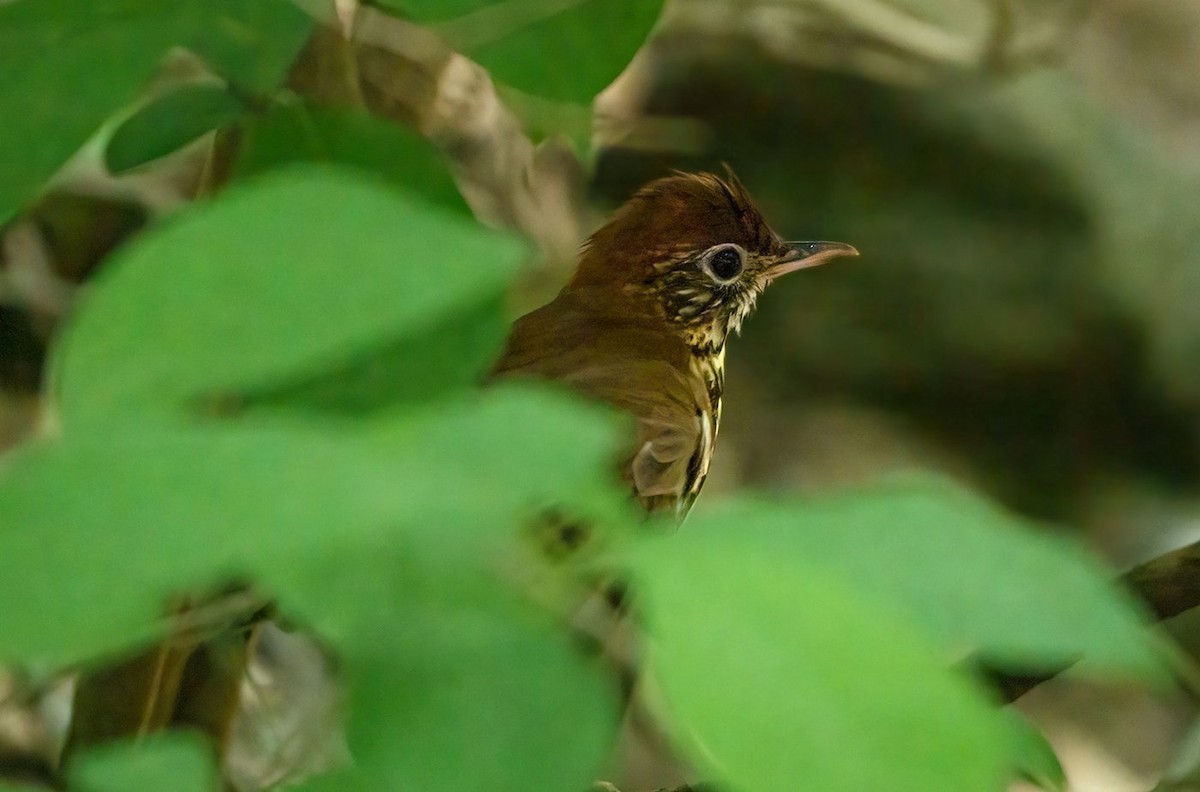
(697, 249)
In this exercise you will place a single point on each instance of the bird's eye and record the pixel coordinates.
(726, 264)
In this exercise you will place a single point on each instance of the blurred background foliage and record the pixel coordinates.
(1023, 179)
(1028, 318)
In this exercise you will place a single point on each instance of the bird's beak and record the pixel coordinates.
(802, 255)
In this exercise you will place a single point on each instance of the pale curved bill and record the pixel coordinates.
(809, 254)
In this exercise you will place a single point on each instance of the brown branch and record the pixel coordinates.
(1170, 583)
(410, 75)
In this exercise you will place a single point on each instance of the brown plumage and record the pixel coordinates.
(642, 324)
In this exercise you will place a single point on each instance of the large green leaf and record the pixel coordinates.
(169, 123)
(290, 133)
(470, 695)
(978, 579)
(453, 684)
(778, 676)
(181, 763)
(252, 43)
(568, 50)
(420, 366)
(380, 535)
(101, 529)
(501, 674)
(68, 66)
(304, 272)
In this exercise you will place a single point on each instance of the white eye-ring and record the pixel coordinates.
(724, 263)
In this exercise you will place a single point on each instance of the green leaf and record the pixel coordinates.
(575, 444)
(544, 119)
(567, 50)
(521, 708)
(70, 65)
(1035, 758)
(421, 366)
(377, 534)
(290, 133)
(101, 530)
(252, 43)
(169, 123)
(475, 695)
(977, 578)
(181, 763)
(427, 11)
(453, 684)
(777, 676)
(275, 282)
(131, 524)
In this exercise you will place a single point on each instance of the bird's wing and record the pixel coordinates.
(637, 371)
(669, 457)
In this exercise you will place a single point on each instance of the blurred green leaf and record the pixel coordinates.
(377, 534)
(576, 442)
(1035, 757)
(252, 43)
(69, 66)
(178, 762)
(421, 366)
(100, 530)
(309, 133)
(522, 708)
(479, 695)
(169, 123)
(977, 578)
(275, 281)
(453, 683)
(777, 676)
(567, 50)
(546, 119)
(427, 11)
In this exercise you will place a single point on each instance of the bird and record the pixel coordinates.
(643, 323)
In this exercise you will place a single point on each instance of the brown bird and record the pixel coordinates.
(643, 323)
